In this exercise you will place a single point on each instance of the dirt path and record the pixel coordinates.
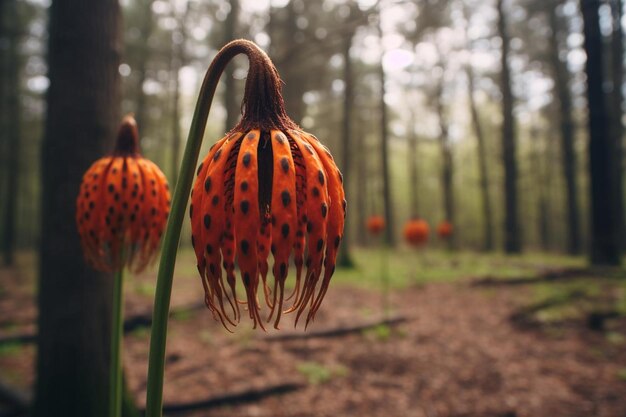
(458, 355)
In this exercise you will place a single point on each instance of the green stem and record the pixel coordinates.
(156, 361)
(384, 273)
(117, 332)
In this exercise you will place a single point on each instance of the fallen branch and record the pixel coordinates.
(247, 396)
(549, 275)
(130, 324)
(525, 316)
(335, 332)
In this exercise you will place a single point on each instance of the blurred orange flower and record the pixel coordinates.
(122, 206)
(445, 229)
(375, 224)
(416, 232)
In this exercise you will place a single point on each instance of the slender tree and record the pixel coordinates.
(179, 42)
(74, 300)
(345, 259)
(563, 101)
(482, 164)
(384, 150)
(512, 238)
(143, 55)
(604, 245)
(446, 158)
(12, 128)
(413, 169)
(231, 103)
(617, 112)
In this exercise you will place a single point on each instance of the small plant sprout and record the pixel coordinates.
(266, 187)
(121, 212)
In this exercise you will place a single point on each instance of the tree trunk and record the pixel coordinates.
(413, 170)
(540, 176)
(446, 162)
(384, 153)
(617, 63)
(362, 181)
(482, 165)
(74, 300)
(13, 104)
(142, 64)
(604, 239)
(178, 61)
(512, 238)
(231, 104)
(345, 260)
(564, 103)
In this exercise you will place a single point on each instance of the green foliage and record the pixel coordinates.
(10, 349)
(381, 333)
(317, 373)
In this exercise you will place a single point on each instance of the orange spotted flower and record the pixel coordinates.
(122, 206)
(416, 232)
(375, 224)
(267, 187)
(445, 229)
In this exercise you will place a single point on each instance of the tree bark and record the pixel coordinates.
(512, 238)
(446, 162)
(13, 113)
(604, 245)
(345, 260)
(231, 103)
(142, 64)
(74, 300)
(362, 180)
(563, 100)
(178, 61)
(617, 64)
(384, 153)
(413, 170)
(482, 165)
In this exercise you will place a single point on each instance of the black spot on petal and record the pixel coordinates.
(324, 209)
(320, 176)
(285, 230)
(245, 205)
(284, 163)
(245, 246)
(244, 186)
(286, 198)
(246, 159)
(320, 245)
(207, 184)
(207, 221)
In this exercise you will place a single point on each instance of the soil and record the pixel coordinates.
(458, 354)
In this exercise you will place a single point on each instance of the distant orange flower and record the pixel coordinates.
(122, 206)
(445, 229)
(375, 224)
(416, 232)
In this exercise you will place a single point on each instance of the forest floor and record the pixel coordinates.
(480, 335)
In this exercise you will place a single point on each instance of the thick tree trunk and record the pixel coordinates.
(345, 260)
(617, 127)
(482, 166)
(512, 238)
(12, 121)
(74, 300)
(446, 163)
(564, 103)
(604, 249)
(231, 103)
(384, 154)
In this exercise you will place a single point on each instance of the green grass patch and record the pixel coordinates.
(10, 349)
(317, 373)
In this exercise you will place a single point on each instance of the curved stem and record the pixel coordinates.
(260, 66)
(115, 373)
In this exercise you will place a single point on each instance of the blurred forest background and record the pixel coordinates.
(504, 118)
(447, 99)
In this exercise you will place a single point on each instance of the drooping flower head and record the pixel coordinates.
(122, 206)
(445, 229)
(375, 224)
(266, 188)
(416, 232)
